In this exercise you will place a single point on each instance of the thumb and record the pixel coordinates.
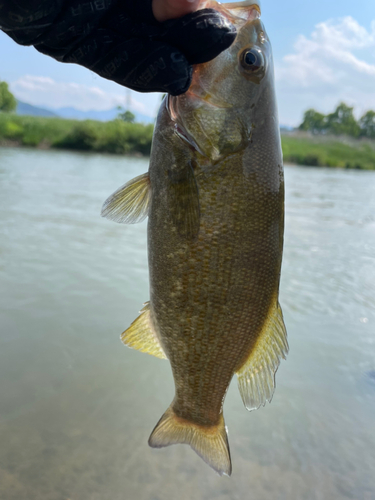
(146, 66)
(201, 35)
(172, 9)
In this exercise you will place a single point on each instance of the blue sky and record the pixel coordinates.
(324, 52)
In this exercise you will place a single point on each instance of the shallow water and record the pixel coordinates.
(77, 407)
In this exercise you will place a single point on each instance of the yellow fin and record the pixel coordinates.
(256, 378)
(209, 442)
(130, 203)
(141, 335)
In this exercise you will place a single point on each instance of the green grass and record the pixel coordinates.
(32, 131)
(330, 152)
(116, 137)
(119, 137)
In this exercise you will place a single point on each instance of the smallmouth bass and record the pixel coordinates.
(214, 195)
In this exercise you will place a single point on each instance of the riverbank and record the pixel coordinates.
(328, 151)
(116, 136)
(119, 137)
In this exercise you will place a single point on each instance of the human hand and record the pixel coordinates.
(172, 9)
(122, 40)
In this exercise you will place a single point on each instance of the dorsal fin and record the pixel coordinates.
(256, 377)
(141, 335)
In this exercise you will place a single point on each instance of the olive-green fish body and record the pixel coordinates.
(215, 200)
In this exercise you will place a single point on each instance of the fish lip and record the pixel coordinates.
(238, 18)
(171, 112)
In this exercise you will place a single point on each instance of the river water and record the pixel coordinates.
(77, 407)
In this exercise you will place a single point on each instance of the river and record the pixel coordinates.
(77, 407)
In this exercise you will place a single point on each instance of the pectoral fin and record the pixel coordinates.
(256, 377)
(184, 201)
(141, 335)
(130, 203)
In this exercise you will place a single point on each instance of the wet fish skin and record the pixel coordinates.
(215, 239)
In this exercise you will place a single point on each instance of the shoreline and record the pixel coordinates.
(50, 147)
(293, 160)
(118, 137)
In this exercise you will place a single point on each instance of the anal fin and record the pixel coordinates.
(256, 377)
(141, 335)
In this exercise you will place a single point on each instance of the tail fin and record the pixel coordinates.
(210, 443)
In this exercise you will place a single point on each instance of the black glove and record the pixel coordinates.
(120, 39)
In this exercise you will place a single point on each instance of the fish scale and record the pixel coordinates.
(214, 195)
(217, 259)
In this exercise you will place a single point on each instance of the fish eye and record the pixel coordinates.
(252, 60)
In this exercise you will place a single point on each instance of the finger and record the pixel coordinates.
(172, 9)
(200, 36)
(142, 65)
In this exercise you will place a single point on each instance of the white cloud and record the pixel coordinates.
(330, 66)
(334, 63)
(44, 91)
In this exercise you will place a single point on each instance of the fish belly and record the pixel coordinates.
(211, 295)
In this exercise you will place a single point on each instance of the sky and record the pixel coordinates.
(324, 53)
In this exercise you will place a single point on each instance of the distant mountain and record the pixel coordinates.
(77, 114)
(103, 116)
(23, 108)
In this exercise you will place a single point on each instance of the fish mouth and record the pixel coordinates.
(245, 4)
(238, 13)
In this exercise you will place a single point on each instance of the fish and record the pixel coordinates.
(214, 197)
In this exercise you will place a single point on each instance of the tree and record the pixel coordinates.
(126, 116)
(7, 100)
(342, 121)
(367, 124)
(313, 121)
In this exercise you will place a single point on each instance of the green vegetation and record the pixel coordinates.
(124, 137)
(328, 151)
(116, 136)
(126, 116)
(367, 124)
(8, 102)
(340, 122)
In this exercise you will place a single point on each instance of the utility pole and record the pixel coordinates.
(128, 99)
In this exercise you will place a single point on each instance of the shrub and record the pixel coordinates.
(82, 137)
(7, 100)
(12, 131)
